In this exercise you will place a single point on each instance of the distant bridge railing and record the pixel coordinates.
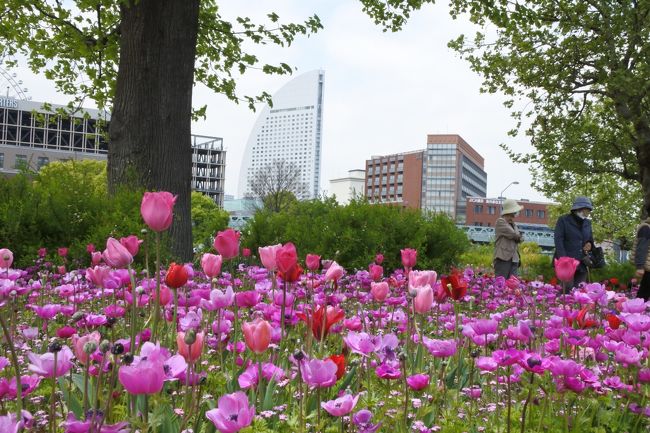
(542, 236)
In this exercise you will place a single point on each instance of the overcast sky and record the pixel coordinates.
(384, 92)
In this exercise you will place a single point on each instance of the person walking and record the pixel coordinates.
(574, 238)
(508, 237)
(640, 258)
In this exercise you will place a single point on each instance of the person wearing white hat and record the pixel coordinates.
(506, 252)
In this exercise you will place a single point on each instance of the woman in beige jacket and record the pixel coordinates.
(506, 254)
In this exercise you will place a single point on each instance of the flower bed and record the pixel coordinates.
(239, 345)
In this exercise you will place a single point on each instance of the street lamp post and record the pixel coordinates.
(504, 189)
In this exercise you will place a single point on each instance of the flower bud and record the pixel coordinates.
(54, 346)
(190, 336)
(127, 359)
(117, 349)
(77, 316)
(105, 346)
(90, 347)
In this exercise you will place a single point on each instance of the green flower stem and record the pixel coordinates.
(156, 313)
(14, 361)
(52, 397)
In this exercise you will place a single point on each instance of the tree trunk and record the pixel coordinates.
(151, 120)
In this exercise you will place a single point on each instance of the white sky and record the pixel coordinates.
(384, 92)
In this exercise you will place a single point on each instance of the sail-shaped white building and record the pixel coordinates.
(291, 130)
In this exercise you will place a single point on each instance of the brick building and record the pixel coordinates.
(483, 211)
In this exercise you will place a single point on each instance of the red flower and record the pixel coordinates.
(613, 320)
(315, 321)
(613, 281)
(455, 285)
(585, 321)
(292, 275)
(176, 276)
(339, 360)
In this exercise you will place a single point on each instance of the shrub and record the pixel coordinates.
(353, 234)
(66, 204)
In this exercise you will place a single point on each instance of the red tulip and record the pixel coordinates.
(257, 335)
(246, 252)
(455, 285)
(157, 210)
(315, 321)
(292, 275)
(286, 257)
(339, 360)
(584, 321)
(176, 276)
(613, 320)
(227, 243)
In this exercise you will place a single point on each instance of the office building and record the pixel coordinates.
(31, 137)
(349, 187)
(291, 130)
(437, 179)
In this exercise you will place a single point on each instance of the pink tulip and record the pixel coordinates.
(157, 210)
(6, 258)
(233, 413)
(190, 352)
(379, 258)
(116, 255)
(227, 243)
(341, 406)
(63, 252)
(409, 258)
(422, 278)
(78, 344)
(131, 243)
(565, 268)
(379, 291)
(423, 300)
(257, 335)
(95, 258)
(312, 261)
(376, 272)
(267, 256)
(43, 365)
(98, 274)
(334, 272)
(286, 258)
(211, 264)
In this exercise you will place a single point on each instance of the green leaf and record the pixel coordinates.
(72, 403)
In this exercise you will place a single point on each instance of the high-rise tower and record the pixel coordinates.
(291, 130)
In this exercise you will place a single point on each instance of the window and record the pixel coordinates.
(42, 161)
(541, 214)
(21, 162)
(2, 160)
(491, 210)
(478, 208)
(529, 213)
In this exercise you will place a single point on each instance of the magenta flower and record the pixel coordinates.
(341, 406)
(484, 326)
(564, 367)
(6, 258)
(362, 420)
(232, 414)
(9, 423)
(249, 298)
(486, 363)
(565, 268)
(227, 243)
(637, 322)
(47, 312)
(418, 382)
(628, 355)
(73, 425)
(319, 373)
(440, 348)
(43, 365)
(506, 357)
(389, 370)
(362, 343)
(144, 376)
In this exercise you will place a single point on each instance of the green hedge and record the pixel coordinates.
(353, 234)
(66, 204)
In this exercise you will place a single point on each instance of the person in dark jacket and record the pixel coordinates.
(641, 258)
(574, 238)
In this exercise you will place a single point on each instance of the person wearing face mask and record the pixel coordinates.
(640, 257)
(506, 253)
(574, 238)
